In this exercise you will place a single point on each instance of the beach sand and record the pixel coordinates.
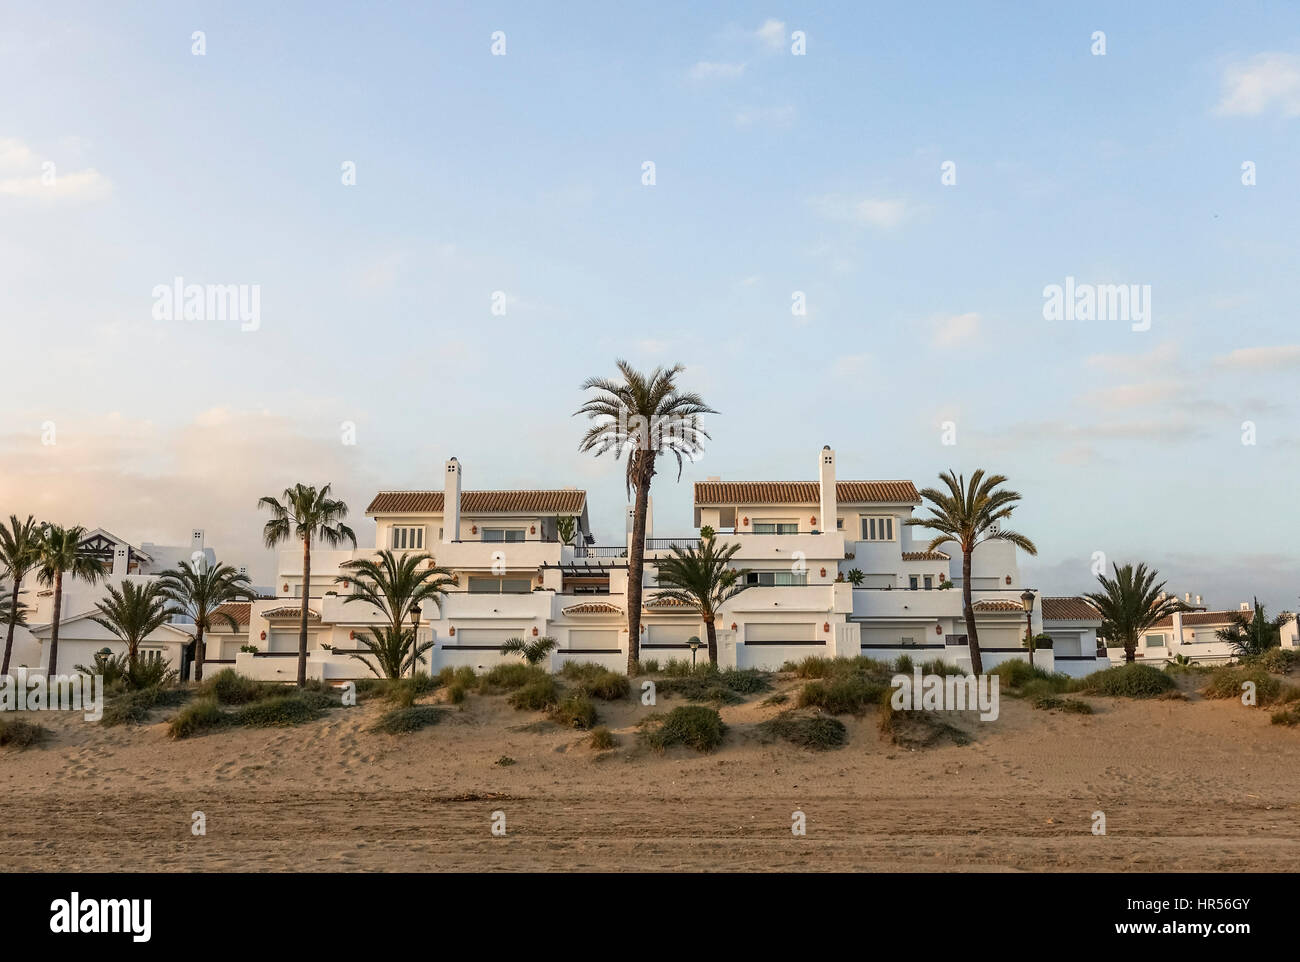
(1196, 785)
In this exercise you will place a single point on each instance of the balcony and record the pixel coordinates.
(463, 605)
(526, 555)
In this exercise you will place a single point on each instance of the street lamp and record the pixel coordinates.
(415, 638)
(694, 642)
(1027, 600)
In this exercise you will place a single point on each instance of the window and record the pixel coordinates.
(878, 528)
(912, 582)
(929, 581)
(407, 537)
(1155, 641)
(776, 578)
(500, 586)
(907, 642)
(839, 524)
(503, 534)
(776, 527)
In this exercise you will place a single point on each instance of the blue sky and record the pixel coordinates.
(775, 173)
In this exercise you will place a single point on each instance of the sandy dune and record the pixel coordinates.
(1185, 786)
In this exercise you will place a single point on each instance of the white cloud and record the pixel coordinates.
(1265, 81)
(710, 70)
(1163, 355)
(869, 211)
(25, 174)
(954, 329)
(771, 34)
(1261, 358)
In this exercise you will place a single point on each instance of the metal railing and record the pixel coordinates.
(666, 544)
(600, 551)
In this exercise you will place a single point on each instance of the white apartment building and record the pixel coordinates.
(1194, 634)
(803, 542)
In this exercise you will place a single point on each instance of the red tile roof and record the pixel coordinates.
(290, 611)
(593, 608)
(1204, 619)
(475, 502)
(803, 492)
(239, 610)
(925, 556)
(1069, 609)
(990, 605)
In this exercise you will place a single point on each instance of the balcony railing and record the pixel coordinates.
(600, 551)
(666, 544)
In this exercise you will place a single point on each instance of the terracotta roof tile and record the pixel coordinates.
(1069, 609)
(925, 556)
(803, 492)
(593, 608)
(239, 610)
(659, 603)
(990, 605)
(290, 611)
(474, 502)
(1203, 619)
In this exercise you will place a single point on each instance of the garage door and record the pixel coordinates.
(590, 639)
(780, 631)
(670, 634)
(485, 637)
(282, 640)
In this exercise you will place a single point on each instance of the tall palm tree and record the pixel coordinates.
(971, 514)
(702, 577)
(644, 416)
(12, 612)
(1130, 603)
(134, 613)
(199, 591)
(306, 514)
(1252, 633)
(18, 544)
(398, 585)
(59, 552)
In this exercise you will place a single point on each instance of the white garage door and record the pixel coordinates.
(282, 640)
(590, 639)
(486, 637)
(670, 634)
(780, 631)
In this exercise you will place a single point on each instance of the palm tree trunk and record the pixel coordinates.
(54, 631)
(302, 625)
(198, 653)
(636, 561)
(968, 609)
(13, 622)
(1130, 650)
(711, 632)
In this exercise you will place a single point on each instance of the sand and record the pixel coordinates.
(1197, 785)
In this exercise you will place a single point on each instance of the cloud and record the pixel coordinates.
(1126, 396)
(771, 34)
(883, 213)
(767, 116)
(1267, 81)
(1260, 358)
(710, 70)
(954, 329)
(25, 174)
(1163, 355)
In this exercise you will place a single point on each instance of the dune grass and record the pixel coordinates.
(691, 725)
(1125, 681)
(574, 711)
(816, 732)
(16, 733)
(1226, 682)
(400, 721)
(278, 710)
(133, 707)
(596, 681)
(602, 739)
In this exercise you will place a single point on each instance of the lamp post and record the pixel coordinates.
(1027, 600)
(694, 642)
(415, 637)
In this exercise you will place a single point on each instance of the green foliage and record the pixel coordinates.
(602, 739)
(855, 577)
(816, 732)
(648, 667)
(1126, 681)
(201, 715)
(1252, 634)
(1130, 603)
(574, 711)
(133, 707)
(1015, 673)
(692, 725)
(533, 651)
(816, 666)
(229, 687)
(1279, 661)
(903, 664)
(537, 695)
(917, 729)
(510, 676)
(16, 733)
(843, 694)
(1287, 716)
(399, 721)
(596, 680)
(937, 666)
(278, 710)
(1051, 702)
(1226, 683)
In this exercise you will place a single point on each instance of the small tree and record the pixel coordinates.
(702, 578)
(59, 552)
(1130, 603)
(199, 591)
(532, 651)
(398, 585)
(1252, 633)
(134, 613)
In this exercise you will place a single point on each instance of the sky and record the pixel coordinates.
(855, 212)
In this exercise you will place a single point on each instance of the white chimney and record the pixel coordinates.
(1245, 606)
(630, 520)
(826, 478)
(1198, 600)
(196, 539)
(1187, 598)
(451, 502)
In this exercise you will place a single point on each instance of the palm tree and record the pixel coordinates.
(398, 585)
(533, 651)
(1130, 603)
(134, 613)
(1252, 633)
(306, 514)
(17, 556)
(12, 612)
(59, 552)
(644, 415)
(703, 578)
(971, 514)
(200, 590)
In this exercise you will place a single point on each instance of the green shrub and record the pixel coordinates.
(1287, 716)
(1050, 702)
(537, 695)
(195, 717)
(574, 711)
(903, 664)
(847, 695)
(602, 739)
(1279, 661)
(648, 667)
(1125, 681)
(680, 668)
(1015, 673)
(21, 734)
(464, 675)
(228, 687)
(1227, 682)
(596, 680)
(133, 707)
(505, 761)
(917, 729)
(816, 732)
(692, 725)
(277, 710)
(937, 666)
(745, 681)
(399, 721)
(511, 676)
(817, 666)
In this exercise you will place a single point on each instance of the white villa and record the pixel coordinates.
(1194, 634)
(803, 541)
